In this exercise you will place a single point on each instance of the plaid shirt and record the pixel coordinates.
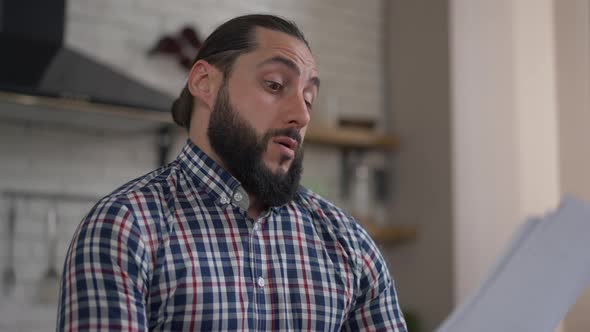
(175, 250)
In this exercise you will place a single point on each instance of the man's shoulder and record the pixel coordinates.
(310, 199)
(327, 213)
(338, 219)
(144, 196)
(154, 186)
(152, 182)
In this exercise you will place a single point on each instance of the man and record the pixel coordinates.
(224, 238)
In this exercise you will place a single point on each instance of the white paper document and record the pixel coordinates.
(545, 268)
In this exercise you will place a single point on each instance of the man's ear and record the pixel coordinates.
(202, 81)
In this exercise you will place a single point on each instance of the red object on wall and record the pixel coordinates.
(183, 46)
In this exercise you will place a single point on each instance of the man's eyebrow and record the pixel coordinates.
(291, 65)
(282, 60)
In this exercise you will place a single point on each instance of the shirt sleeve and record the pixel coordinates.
(104, 281)
(376, 306)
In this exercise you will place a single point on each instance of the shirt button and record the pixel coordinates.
(238, 197)
(224, 199)
(261, 282)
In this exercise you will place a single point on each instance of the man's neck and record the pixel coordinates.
(256, 206)
(202, 142)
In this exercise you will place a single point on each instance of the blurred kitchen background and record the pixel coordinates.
(440, 124)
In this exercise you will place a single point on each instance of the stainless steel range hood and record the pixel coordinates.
(36, 68)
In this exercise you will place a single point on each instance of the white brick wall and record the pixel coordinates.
(345, 37)
(55, 159)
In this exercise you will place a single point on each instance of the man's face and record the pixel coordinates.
(261, 114)
(273, 87)
(241, 149)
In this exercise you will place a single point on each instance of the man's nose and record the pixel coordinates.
(297, 112)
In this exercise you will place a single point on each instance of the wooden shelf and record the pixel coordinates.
(80, 114)
(391, 234)
(350, 138)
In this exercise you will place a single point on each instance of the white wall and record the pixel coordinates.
(345, 37)
(505, 137)
(53, 159)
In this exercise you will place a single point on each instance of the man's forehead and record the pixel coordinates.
(271, 43)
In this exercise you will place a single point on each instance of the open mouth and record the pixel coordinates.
(287, 142)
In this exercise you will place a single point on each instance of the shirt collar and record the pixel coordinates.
(222, 187)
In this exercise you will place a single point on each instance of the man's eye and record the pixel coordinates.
(273, 86)
(309, 104)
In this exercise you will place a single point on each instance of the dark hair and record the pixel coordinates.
(221, 49)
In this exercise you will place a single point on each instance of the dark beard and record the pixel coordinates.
(236, 143)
